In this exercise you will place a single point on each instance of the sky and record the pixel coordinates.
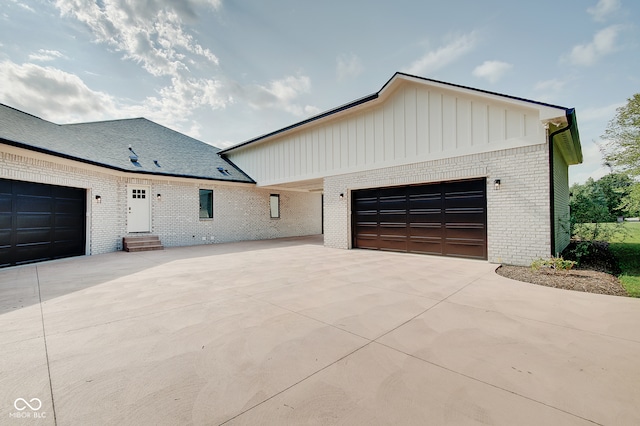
(225, 71)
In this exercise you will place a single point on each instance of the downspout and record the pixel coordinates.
(570, 113)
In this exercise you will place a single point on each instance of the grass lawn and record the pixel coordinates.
(628, 253)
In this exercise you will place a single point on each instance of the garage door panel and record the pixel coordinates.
(6, 256)
(444, 218)
(34, 220)
(40, 222)
(395, 230)
(5, 237)
(393, 242)
(393, 218)
(367, 241)
(425, 247)
(33, 253)
(66, 206)
(475, 233)
(464, 216)
(66, 234)
(66, 249)
(67, 221)
(6, 201)
(32, 204)
(464, 248)
(33, 236)
(5, 220)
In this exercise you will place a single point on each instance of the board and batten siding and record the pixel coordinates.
(561, 201)
(414, 123)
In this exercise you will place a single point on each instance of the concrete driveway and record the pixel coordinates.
(290, 332)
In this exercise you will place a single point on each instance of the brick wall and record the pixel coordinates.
(241, 211)
(518, 215)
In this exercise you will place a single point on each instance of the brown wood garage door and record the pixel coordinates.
(40, 222)
(448, 218)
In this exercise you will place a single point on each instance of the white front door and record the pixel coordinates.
(138, 209)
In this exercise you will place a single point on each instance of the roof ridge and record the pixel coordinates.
(28, 114)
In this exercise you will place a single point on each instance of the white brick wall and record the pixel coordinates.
(518, 215)
(241, 211)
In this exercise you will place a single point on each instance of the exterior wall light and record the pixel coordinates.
(98, 199)
(341, 196)
(496, 184)
(159, 197)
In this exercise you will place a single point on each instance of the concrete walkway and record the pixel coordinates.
(290, 332)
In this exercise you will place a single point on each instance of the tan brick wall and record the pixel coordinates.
(518, 215)
(241, 211)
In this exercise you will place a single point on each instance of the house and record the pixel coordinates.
(77, 189)
(429, 167)
(420, 166)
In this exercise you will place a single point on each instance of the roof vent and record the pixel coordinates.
(133, 158)
(156, 163)
(223, 171)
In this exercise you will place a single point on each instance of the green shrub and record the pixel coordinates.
(553, 263)
(593, 255)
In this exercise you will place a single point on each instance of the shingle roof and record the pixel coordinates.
(159, 150)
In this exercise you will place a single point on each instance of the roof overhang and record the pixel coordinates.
(567, 138)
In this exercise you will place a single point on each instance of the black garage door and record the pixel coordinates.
(448, 218)
(40, 222)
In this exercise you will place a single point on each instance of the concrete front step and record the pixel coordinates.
(142, 243)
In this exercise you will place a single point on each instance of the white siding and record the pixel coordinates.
(415, 123)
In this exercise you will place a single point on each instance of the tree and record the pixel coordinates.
(622, 148)
(631, 202)
(589, 212)
(615, 186)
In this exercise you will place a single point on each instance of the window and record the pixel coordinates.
(138, 193)
(274, 206)
(206, 204)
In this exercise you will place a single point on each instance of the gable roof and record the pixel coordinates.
(158, 149)
(559, 114)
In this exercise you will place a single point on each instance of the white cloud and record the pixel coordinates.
(603, 9)
(443, 56)
(155, 35)
(281, 94)
(61, 97)
(152, 33)
(603, 44)
(52, 94)
(44, 55)
(552, 85)
(348, 67)
(548, 90)
(25, 6)
(492, 70)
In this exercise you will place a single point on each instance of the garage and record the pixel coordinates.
(40, 222)
(446, 218)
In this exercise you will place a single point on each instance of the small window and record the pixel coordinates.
(138, 193)
(274, 206)
(206, 204)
